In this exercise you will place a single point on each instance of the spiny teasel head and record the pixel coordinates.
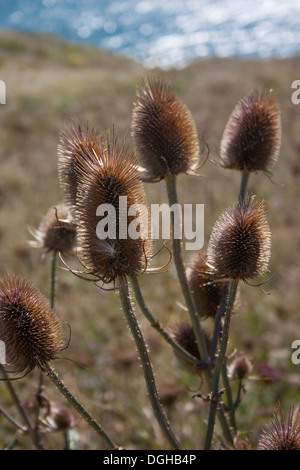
(110, 181)
(29, 328)
(240, 243)
(184, 335)
(251, 139)
(207, 290)
(57, 231)
(163, 131)
(75, 143)
(281, 435)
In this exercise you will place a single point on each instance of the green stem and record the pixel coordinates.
(230, 404)
(155, 324)
(238, 397)
(243, 186)
(201, 343)
(173, 199)
(219, 364)
(53, 278)
(218, 320)
(78, 406)
(146, 364)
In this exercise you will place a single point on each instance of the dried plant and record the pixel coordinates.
(281, 434)
(252, 136)
(98, 174)
(163, 131)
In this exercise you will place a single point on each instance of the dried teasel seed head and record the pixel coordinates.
(240, 368)
(75, 143)
(61, 418)
(29, 328)
(281, 435)
(57, 230)
(184, 335)
(206, 289)
(163, 130)
(239, 245)
(251, 139)
(111, 178)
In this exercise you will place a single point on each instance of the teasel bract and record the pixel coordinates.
(281, 435)
(252, 136)
(57, 231)
(240, 243)
(163, 131)
(110, 178)
(29, 328)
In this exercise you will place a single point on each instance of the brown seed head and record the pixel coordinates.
(57, 230)
(29, 328)
(75, 143)
(110, 173)
(251, 139)
(184, 335)
(62, 418)
(206, 289)
(240, 368)
(239, 245)
(279, 435)
(163, 130)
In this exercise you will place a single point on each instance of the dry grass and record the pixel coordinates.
(50, 83)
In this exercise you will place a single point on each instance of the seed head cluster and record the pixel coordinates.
(29, 328)
(239, 245)
(163, 131)
(251, 139)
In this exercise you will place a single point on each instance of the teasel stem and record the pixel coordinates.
(238, 395)
(49, 371)
(52, 301)
(243, 185)
(219, 364)
(155, 324)
(217, 323)
(173, 199)
(146, 364)
(20, 408)
(53, 278)
(230, 405)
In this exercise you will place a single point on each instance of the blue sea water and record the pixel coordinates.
(165, 33)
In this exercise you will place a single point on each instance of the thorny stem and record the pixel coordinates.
(219, 364)
(155, 324)
(230, 404)
(146, 364)
(20, 408)
(173, 199)
(243, 186)
(53, 278)
(12, 420)
(78, 406)
(217, 324)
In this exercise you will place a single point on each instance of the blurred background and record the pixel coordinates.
(71, 61)
(168, 33)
